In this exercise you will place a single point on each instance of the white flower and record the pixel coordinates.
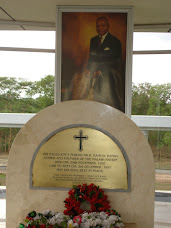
(71, 224)
(52, 221)
(113, 218)
(37, 217)
(103, 215)
(57, 218)
(105, 223)
(96, 222)
(120, 225)
(45, 212)
(53, 213)
(88, 220)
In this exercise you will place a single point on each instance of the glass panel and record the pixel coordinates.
(28, 65)
(160, 142)
(26, 81)
(20, 96)
(151, 41)
(28, 39)
(2, 202)
(150, 99)
(151, 95)
(7, 136)
(153, 69)
(2, 176)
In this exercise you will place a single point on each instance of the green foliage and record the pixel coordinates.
(140, 98)
(160, 138)
(44, 91)
(167, 138)
(155, 100)
(160, 100)
(151, 100)
(20, 96)
(7, 136)
(2, 179)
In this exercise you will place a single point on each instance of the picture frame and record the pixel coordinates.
(85, 71)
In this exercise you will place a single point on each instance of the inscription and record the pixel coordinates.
(59, 163)
(65, 162)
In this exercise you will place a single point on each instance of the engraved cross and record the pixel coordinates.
(81, 138)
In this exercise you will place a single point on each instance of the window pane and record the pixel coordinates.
(28, 65)
(26, 81)
(153, 69)
(151, 41)
(6, 138)
(28, 39)
(160, 142)
(151, 95)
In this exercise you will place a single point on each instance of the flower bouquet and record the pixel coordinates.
(76, 215)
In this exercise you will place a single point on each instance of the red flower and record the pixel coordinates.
(91, 193)
(77, 219)
(29, 218)
(42, 226)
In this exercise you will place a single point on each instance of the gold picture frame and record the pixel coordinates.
(89, 71)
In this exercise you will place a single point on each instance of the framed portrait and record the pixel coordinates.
(94, 55)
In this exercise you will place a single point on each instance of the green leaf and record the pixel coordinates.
(64, 224)
(56, 226)
(100, 195)
(44, 220)
(27, 220)
(32, 214)
(21, 225)
(77, 198)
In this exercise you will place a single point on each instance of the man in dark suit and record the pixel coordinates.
(105, 65)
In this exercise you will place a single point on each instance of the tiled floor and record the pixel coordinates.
(162, 215)
(2, 213)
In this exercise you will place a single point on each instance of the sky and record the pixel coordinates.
(154, 69)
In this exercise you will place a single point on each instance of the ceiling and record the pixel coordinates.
(149, 15)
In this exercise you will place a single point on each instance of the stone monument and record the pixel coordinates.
(77, 142)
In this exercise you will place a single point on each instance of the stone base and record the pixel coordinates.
(134, 205)
(130, 225)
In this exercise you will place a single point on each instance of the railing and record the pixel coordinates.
(145, 123)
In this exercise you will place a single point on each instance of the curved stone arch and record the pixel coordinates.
(134, 205)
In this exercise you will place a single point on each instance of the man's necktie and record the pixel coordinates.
(100, 40)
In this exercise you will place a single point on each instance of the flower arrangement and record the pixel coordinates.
(86, 193)
(100, 215)
(50, 219)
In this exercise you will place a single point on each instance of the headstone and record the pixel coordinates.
(79, 142)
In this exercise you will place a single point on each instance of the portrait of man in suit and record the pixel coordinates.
(94, 57)
(105, 65)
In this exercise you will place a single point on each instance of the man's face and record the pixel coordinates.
(102, 27)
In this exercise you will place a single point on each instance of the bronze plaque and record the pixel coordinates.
(80, 155)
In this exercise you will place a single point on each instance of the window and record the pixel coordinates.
(151, 96)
